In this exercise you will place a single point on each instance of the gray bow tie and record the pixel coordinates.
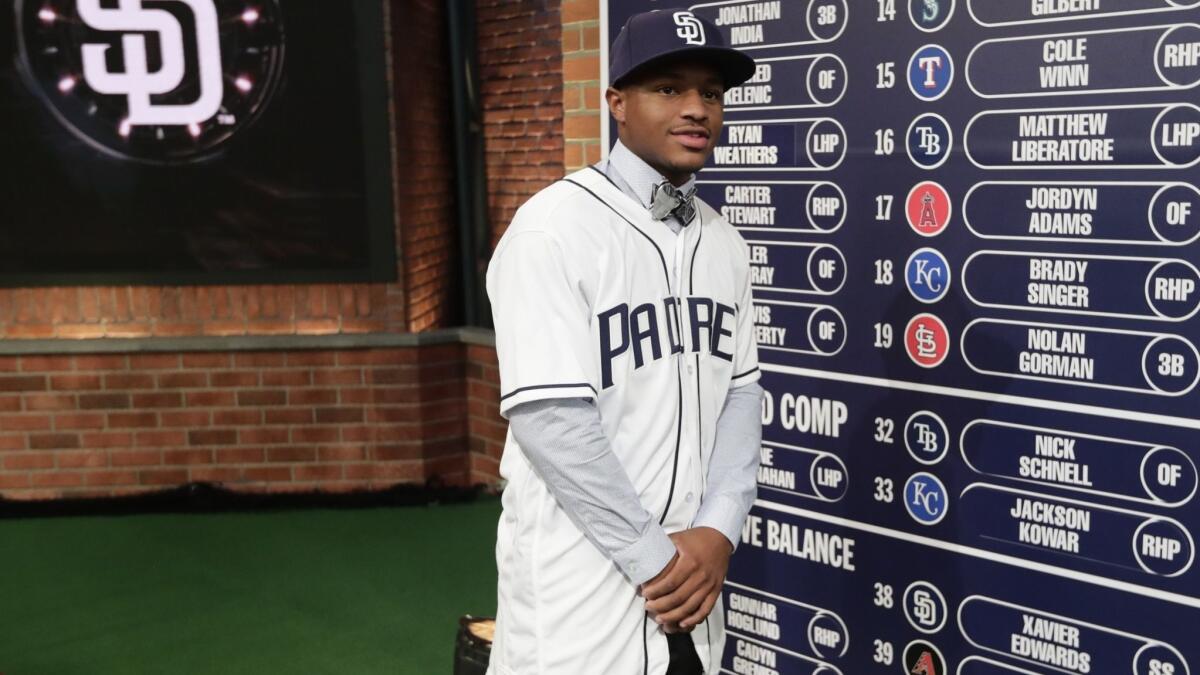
(666, 200)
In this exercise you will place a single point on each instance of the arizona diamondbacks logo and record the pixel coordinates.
(152, 80)
(690, 29)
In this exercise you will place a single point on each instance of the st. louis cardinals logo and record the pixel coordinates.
(158, 81)
(138, 82)
(690, 29)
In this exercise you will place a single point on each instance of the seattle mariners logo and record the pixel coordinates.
(926, 437)
(167, 82)
(929, 141)
(922, 658)
(925, 607)
(925, 498)
(926, 340)
(930, 15)
(930, 72)
(690, 30)
(927, 275)
(927, 208)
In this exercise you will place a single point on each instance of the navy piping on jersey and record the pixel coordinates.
(748, 372)
(678, 382)
(548, 386)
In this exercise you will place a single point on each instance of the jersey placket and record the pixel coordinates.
(690, 401)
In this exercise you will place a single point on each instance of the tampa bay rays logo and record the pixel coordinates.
(690, 29)
(136, 81)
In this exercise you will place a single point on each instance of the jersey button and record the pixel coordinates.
(687, 497)
(689, 369)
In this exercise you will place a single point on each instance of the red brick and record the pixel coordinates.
(133, 419)
(239, 455)
(312, 396)
(237, 417)
(234, 378)
(262, 398)
(128, 381)
(182, 380)
(153, 361)
(267, 473)
(291, 453)
(206, 360)
(57, 479)
(74, 382)
(212, 437)
(160, 438)
(317, 472)
(337, 377)
(162, 476)
(286, 378)
(28, 460)
(288, 416)
(79, 421)
(38, 364)
(53, 441)
(341, 453)
(210, 398)
(110, 477)
(178, 457)
(339, 415)
(103, 401)
(263, 435)
(24, 422)
(164, 399)
(71, 459)
(185, 418)
(9, 383)
(106, 439)
(315, 435)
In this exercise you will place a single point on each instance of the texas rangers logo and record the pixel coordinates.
(925, 607)
(927, 275)
(922, 658)
(927, 208)
(930, 15)
(167, 82)
(930, 72)
(926, 437)
(690, 30)
(929, 140)
(925, 498)
(927, 340)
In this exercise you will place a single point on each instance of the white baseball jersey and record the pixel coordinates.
(594, 299)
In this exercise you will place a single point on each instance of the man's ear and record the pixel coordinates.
(616, 103)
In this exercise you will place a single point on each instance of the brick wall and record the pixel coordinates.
(109, 424)
(520, 59)
(486, 430)
(582, 98)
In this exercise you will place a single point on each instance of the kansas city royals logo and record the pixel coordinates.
(925, 498)
(929, 140)
(926, 340)
(690, 30)
(925, 607)
(922, 658)
(927, 208)
(927, 275)
(926, 437)
(930, 72)
(930, 15)
(167, 81)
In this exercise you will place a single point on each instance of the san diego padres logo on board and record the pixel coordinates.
(155, 81)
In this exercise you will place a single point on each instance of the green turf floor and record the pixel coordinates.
(306, 592)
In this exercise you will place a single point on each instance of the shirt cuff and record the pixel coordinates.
(642, 560)
(724, 515)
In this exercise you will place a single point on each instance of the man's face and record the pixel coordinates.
(671, 117)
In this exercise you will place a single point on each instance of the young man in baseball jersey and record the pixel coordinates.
(628, 370)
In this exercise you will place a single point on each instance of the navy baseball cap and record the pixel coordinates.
(664, 34)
